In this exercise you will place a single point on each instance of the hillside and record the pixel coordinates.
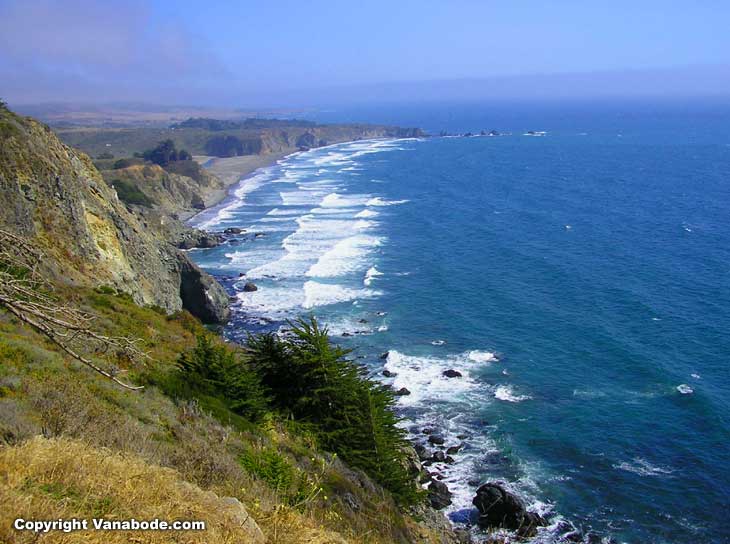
(54, 196)
(116, 402)
(202, 136)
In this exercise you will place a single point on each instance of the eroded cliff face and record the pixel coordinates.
(54, 196)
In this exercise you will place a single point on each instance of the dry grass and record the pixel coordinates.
(63, 478)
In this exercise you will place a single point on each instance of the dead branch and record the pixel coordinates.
(27, 295)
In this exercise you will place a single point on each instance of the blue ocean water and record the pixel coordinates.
(578, 280)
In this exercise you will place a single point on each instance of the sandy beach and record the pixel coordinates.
(230, 170)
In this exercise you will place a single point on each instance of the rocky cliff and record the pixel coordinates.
(53, 195)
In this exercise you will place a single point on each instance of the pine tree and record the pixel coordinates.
(312, 381)
(217, 370)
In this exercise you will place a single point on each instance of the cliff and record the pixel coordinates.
(54, 196)
(216, 138)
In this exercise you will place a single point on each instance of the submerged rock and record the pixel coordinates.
(499, 508)
(388, 374)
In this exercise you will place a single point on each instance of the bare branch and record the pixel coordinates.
(26, 294)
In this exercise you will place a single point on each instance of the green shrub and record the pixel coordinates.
(129, 193)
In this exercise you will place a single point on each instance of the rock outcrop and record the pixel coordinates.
(499, 508)
(201, 295)
(53, 195)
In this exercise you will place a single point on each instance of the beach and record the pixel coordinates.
(230, 170)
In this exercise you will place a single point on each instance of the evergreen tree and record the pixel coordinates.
(217, 370)
(312, 381)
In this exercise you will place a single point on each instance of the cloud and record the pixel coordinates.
(65, 49)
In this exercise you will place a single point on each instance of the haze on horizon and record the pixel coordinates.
(298, 54)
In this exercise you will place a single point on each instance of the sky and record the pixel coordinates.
(282, 53)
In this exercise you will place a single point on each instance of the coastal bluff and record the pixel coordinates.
(54, 196)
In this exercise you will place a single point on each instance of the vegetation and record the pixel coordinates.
(232, 146)
(292, 488)
(165, 152)
(126, 163)
(307, 380)
(217, 370)
(312, 382)
(129, 193)
(216, 125)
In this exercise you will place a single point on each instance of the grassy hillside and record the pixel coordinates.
(87, 437)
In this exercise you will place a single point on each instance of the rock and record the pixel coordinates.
(463, 536)
(450, 460)
(306, 140)
(202, 295)
(243, 519)
(499, 508)
(439, 495)
(388, 374)
(384, 356)
(249, 287)
(346, 334)
(351, 501)
(362, 320)
(422, 452)
(428, 430)
(453, 450)
(232, 230)
(451, 373)
(436, 439)
(402, 392)
(439, 456)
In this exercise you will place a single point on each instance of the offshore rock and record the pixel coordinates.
(499, 508)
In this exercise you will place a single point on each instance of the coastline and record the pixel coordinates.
(230, 170)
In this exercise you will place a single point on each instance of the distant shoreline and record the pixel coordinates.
(230, 170)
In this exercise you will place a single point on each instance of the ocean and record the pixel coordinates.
(579, 280)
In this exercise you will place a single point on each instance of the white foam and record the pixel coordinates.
(481, 356)
(335, 200)
(685, 389)
(280, 211)
(324, 294)
(367, 214)
(370, 275)
(506, 393)
(345, 257)
(642, 467)
(423, 377)
(377, 201)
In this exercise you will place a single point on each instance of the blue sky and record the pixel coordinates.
(287, 52)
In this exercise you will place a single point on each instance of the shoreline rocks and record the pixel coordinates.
(439, 495)
(498, 508)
